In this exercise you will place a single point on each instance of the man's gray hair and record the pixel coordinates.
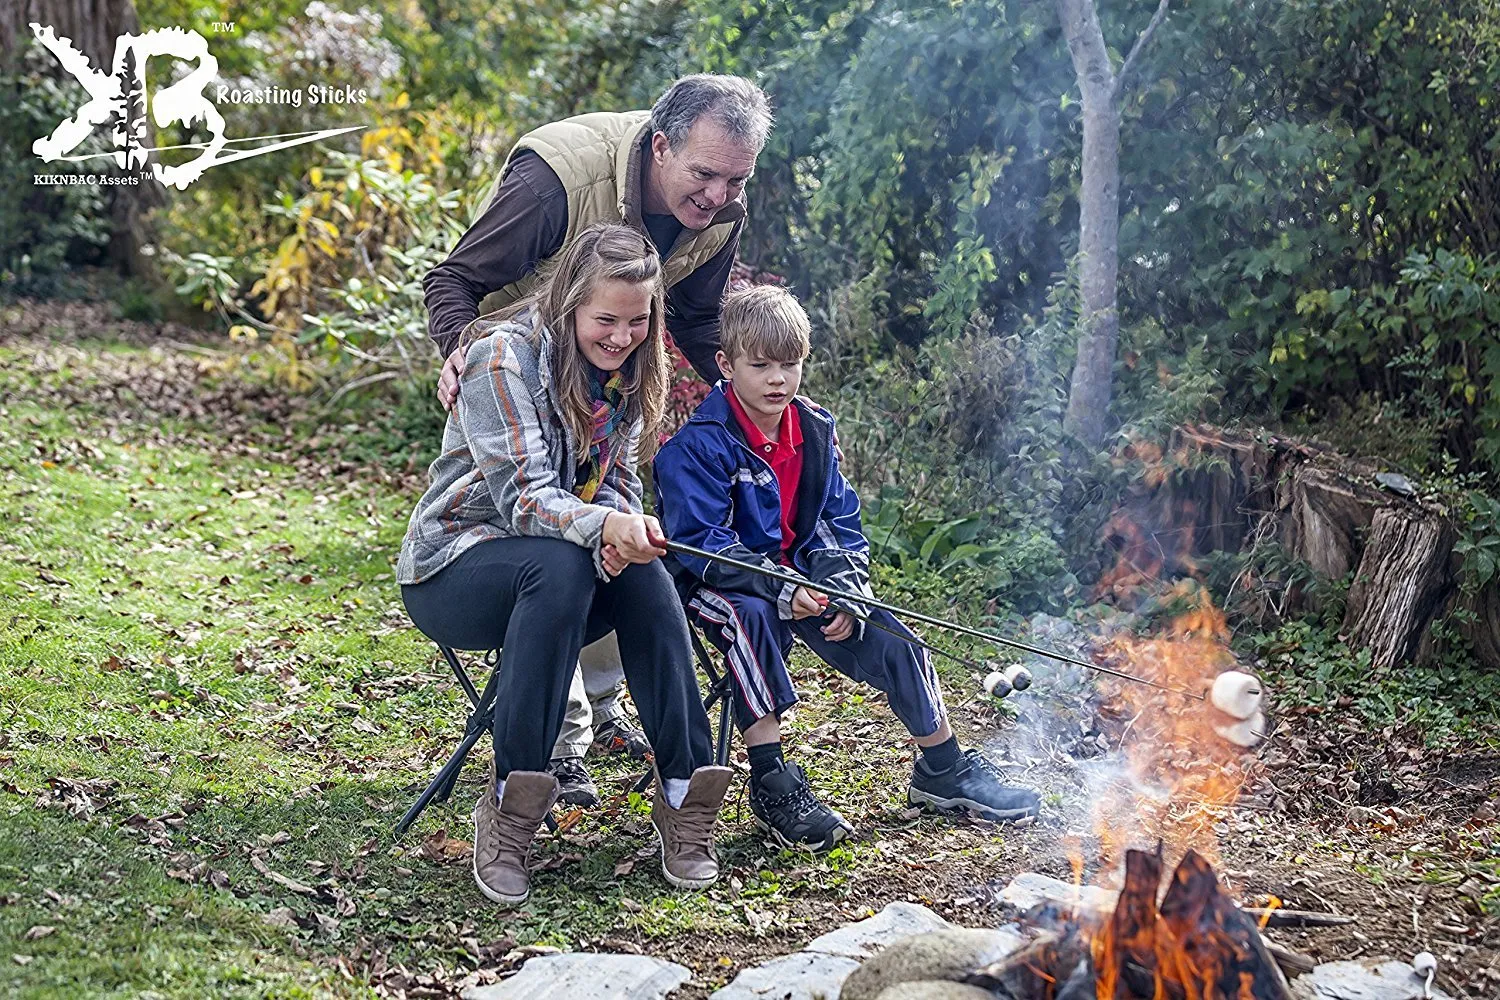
(733, 103)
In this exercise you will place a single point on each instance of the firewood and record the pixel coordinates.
(1216, 944)
(1296, 918)
(1292, 963)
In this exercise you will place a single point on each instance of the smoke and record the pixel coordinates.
(1123, 765)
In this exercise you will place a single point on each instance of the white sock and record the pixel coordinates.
(499, 789)
(676, 789)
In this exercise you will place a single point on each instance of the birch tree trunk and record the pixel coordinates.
(1098, 213)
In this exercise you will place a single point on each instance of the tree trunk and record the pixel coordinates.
(1329, 512)
(1098, 223)
(93, 26)
(1402, 580)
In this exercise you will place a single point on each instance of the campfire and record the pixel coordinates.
(1194, 944)
(1176, 771)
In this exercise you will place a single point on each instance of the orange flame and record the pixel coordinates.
(1180, 777)
(1273, 903)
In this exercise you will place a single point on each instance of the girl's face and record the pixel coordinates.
(613, 322)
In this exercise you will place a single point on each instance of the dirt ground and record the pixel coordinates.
(1332, 814)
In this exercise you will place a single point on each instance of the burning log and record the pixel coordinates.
(1128, 946)
(1219, 952)
(1196, 945)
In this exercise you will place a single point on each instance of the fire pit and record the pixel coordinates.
(1196, 944)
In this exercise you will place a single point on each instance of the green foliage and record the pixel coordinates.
(44, 229)
(1478, 544)
(345, 284)
(1450, 701)
(1283, 174)
(1434, 330)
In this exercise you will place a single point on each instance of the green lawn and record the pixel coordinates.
(209, 691)
(213, 710)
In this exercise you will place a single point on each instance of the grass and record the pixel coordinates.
(213, 710)
(209, 689)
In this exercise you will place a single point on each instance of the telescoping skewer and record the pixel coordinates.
(848, 596)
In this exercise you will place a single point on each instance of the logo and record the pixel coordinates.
(119, 100)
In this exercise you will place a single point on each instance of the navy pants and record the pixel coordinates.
(538, 600)
(758, 642)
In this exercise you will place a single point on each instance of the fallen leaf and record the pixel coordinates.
(441, 847)
(280, 879)
(282, 916)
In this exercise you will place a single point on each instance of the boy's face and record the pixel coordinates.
(765, 388)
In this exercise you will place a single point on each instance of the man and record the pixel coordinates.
(678, 174)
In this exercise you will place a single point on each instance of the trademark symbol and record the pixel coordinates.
(221, 27)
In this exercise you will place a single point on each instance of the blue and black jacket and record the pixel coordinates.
(714, 493)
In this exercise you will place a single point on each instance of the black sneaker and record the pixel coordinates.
(973, 783)
(785, 807)
(575, 785)
(619, 736)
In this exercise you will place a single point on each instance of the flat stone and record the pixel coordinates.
(584, 974)
(1396, 483)
(934, 989)
(865, 937)
(1030, 888)
(941, 955)
(804, 975)
(1355, 981)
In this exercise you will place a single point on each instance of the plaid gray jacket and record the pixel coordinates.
(507, 465)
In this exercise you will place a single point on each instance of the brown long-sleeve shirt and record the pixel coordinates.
(525, 224)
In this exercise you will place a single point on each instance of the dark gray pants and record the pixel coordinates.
(539, 601)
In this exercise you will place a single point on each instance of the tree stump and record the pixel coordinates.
(1327, 514)
(1403, 578)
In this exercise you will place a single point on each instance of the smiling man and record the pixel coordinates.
(678, 174)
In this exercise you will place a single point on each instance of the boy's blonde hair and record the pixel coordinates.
(764, 321)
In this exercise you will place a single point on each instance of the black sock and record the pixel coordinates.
(943, 757)
(764, 758)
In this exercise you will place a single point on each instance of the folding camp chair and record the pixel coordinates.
(478, 724)
(720, 692)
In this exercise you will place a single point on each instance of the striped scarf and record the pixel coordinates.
(609, 410)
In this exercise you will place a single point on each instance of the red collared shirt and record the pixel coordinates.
(784, 455)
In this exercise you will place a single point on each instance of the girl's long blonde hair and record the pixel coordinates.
(602, 252)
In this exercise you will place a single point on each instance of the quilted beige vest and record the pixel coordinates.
(598, 159)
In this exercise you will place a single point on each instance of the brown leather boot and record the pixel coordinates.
(687, 833)
(503, 832)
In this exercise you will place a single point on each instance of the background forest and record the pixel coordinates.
(1308, 233)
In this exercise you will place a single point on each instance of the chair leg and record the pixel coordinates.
(442, 784)
(480, 721)
(721, 754)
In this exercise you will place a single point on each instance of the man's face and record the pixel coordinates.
(705, 174)
(765, 388)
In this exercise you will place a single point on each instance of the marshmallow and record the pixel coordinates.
(1248, 733)
(997, 685)
(1237, 694)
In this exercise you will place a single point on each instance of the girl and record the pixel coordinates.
(531, 538)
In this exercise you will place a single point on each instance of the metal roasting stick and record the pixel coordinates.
(844, 595)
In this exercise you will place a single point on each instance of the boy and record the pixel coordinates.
(754, 474)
